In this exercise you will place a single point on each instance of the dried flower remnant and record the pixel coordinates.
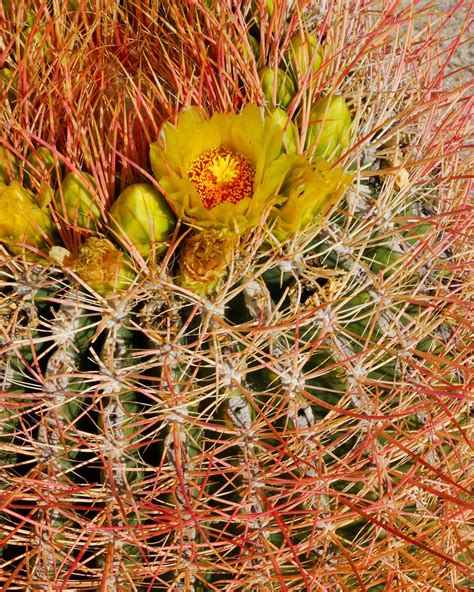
(102, 266)
(204, 259)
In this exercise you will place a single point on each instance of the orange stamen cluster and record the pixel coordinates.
(220, 176)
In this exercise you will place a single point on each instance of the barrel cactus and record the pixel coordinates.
(234, 349)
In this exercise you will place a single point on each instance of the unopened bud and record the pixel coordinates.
(267, 5)
(41, 166)
(305, 52)
(8, 166)
(75, 200)
(10, 83)
(22, 220)
(142, 217)
(329, 129)
(290, 133)
(277, 91)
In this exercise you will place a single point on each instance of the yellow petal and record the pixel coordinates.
(287, 183)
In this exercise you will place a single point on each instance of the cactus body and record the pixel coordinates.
(270, 391)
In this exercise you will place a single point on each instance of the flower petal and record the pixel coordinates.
(213, 196)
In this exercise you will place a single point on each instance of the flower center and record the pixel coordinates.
(220, 176)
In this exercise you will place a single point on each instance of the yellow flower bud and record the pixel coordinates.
(102, 266)
(329, 129)
(22, 220)
(142, 217)
(204, 259)
(284, 87)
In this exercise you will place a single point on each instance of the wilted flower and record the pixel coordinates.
(22, 220)
(329, 129)
(141, 216)
(283, 86)
(221, 172)
(309, 190)
(102, 266)
(76, 202)
(204, 259)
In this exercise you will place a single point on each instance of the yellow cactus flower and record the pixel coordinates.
(204, 259)
(102, 266)
(310, 190)
(22, 220)
(220, 172)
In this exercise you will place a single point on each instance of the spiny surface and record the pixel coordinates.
(307, 426)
